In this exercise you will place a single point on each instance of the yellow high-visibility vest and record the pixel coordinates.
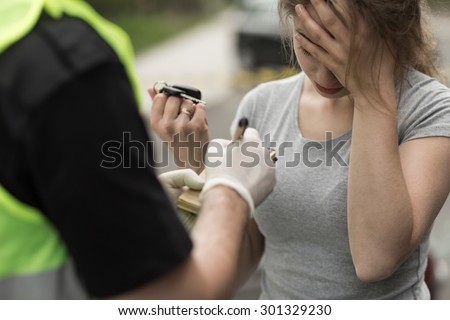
(31, 250)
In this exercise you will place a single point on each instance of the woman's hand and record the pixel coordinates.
(328, 38)
(183, 125)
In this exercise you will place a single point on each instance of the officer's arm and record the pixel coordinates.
(211, 270)
(230, 193)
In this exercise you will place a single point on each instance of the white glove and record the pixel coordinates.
(175, 181)
(244, 166)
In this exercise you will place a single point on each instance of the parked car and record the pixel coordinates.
(258, 38)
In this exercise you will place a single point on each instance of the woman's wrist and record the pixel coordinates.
(384, 91)
(382, 101)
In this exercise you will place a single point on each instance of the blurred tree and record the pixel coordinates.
(150, 21)
(111, 7)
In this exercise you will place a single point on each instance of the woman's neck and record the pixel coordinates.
(319, 115)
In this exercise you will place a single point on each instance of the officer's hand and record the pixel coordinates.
(175, 181)
(252, 175)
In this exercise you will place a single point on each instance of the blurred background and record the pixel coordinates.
(225, 48)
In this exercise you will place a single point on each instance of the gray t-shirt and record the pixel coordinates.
(304, 220)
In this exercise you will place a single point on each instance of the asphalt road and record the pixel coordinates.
(205, 57)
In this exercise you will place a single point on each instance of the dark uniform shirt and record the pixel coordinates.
(65, 102)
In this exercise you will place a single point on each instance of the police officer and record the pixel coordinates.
(71, 228)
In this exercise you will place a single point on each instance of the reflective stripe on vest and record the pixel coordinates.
(34, 261)
(32, 256)
(58, 284)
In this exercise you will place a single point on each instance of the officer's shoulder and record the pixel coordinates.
(52, 54)
(76, 42)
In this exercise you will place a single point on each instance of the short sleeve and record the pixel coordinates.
(91, 162)
(424, 109)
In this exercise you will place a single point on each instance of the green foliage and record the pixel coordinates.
(112, 7)
(150, 21)
(146, 30)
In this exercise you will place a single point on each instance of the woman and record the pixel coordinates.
(363, 144)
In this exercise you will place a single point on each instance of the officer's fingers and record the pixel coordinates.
(215, 145)
(251, 134)
(182, 177)
(193, 180)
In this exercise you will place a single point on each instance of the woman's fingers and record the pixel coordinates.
(199, 117)
(152, 92)
(186, 111)
(322, 26)
(332, 18)
(170, 115)
(172, 108)
(313, 49)
(312, 36)
(311, 29)
(158, 106)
